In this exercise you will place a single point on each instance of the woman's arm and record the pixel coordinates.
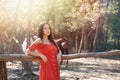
(33, 53)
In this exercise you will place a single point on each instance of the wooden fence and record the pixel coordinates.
(23, 57)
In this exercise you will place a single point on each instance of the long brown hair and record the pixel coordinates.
(40, 33)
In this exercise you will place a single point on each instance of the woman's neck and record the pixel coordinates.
(46, 40)
(45, 37)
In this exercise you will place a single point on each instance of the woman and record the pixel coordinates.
(47, 50)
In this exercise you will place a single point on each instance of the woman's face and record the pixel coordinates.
(46, 30)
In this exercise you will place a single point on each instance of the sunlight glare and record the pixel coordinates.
(24, 6)
(21, 11)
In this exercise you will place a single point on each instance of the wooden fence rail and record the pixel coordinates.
(23, 57)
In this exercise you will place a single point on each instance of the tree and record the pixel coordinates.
(113, 23)
(81, 20)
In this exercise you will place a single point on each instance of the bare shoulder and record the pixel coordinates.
(37, 41)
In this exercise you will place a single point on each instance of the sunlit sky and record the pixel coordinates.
(23, 6)
(22, 9)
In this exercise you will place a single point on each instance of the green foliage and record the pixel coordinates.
(113, 22)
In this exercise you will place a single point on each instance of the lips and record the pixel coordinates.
(48, 33)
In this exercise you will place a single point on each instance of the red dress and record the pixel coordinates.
(48, 70)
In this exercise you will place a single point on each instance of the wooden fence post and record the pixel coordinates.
(3, 70)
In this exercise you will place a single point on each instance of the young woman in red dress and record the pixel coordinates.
(48, 51)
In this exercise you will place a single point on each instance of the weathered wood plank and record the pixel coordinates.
(17, 57)
(92, 54)
(23, 57)
(3, 70)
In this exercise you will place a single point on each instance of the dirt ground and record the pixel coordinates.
(78, 69)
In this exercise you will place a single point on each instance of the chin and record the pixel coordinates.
(48, 34)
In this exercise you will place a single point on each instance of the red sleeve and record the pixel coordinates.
(32, 47)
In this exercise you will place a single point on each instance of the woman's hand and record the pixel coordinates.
(43, 57)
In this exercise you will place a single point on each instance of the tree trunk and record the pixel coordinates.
(3, 70)
(117, 43)
(27, 65)
(76, 42)
(81, 42)
(85, 41)
(95, 40)
(114, 45)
